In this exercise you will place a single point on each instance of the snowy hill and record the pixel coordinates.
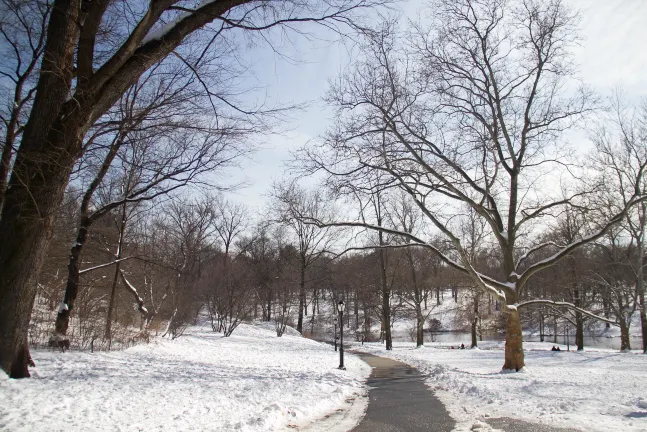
(251, 381)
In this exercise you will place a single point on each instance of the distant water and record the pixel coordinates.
(456, 338)
(466, 338)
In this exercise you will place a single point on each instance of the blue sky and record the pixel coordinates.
(612, 54)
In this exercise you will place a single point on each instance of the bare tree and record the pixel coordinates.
(22, 40)
(155, 150)
(473, 113)
(188, 226)
(81, 76)
(291, 206)
(621, 144)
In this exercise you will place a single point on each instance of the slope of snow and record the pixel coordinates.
(251, 381)
(600, 390)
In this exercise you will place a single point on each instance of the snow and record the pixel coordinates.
(62, 307)
(251, 381)
(594, 390)
(163, 30)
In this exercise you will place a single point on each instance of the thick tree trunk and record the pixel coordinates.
(47, 154)
(625, 341)
(579, 331)
(514, 357)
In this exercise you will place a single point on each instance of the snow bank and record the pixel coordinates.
(251, 381)
(600, 390)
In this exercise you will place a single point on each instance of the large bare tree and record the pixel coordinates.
(82, 74)
(472, 112)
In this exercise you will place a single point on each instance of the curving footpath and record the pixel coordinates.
(399, 401)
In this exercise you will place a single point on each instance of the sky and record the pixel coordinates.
(612, 55)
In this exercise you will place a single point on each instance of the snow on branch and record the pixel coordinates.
(564, 251)
(566, 305)
(103, 265)
(133, 290)
(536, 249)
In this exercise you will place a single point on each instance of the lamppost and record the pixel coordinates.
(340, 308)
(334, 336)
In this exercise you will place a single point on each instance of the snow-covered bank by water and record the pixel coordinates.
(251, 381)
(599, 390)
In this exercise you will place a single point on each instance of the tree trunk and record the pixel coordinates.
(356, 311)
(475, 320)
(48, 150)
(625, 341)
(386, 299)
(640, 285)
(606, 309)
(643, 319)
(579, 322)
(579, 331)
(302, 294)
(269, 305)
(420, 325)
(122, 229)
(541, 325)
(514, 357)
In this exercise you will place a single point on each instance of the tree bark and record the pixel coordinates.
(302, 293)
(420, 325)
(41, 170)
(625, 341)
(643, 319)
(475, 320)
(111, 302)
(579, 323)
(514, 359)
(640, 283)
(386, 298)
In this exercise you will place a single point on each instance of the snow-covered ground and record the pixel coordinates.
(594, 390)
(251, 381)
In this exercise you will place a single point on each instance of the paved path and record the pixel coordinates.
(399, 401)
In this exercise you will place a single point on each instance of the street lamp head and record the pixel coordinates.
(341, 306)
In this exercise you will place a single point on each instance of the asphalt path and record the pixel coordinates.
(399, 401)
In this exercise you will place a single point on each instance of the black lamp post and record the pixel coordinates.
(334, 335)
(340, 308)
